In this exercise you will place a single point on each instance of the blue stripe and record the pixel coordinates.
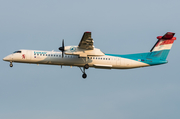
(151, 58)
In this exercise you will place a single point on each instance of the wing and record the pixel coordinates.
(86, 41)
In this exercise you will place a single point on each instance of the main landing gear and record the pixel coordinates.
(86, 66)
(84, 75)
(11, 65)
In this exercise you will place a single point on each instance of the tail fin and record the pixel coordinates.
(162, 47)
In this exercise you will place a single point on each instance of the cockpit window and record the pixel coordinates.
(17, 52)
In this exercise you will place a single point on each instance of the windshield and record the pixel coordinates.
(17, 52)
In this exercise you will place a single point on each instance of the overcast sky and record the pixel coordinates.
(28, 91)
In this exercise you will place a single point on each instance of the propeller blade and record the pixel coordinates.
(63, 43)
(62, 48)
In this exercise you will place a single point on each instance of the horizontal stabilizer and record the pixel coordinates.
(168, 35)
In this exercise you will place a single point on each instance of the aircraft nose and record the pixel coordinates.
(7, 58)
(4, 58)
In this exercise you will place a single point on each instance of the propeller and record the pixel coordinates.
(62, 48)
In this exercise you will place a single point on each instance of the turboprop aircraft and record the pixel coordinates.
(85, 55)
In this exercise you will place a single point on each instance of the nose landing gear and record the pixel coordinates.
(11, 65)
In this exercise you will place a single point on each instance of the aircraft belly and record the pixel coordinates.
(128, 63)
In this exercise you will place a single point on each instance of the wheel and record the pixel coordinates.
(11, 65)
(84, 75)
(86, 66)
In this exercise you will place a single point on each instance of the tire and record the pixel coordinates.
(84, 75)
(11, 65)
(86, 66)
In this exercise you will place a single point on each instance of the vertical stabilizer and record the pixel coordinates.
(163, 45)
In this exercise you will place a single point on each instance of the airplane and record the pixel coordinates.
(85, 55)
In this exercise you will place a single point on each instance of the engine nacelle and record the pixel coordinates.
(75, 50)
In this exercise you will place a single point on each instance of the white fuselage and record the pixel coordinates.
(55, 58)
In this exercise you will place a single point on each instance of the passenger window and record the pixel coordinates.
(51, 54)
(37, 54)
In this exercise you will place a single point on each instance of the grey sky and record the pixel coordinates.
(29, 91)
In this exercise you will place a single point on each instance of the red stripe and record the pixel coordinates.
(165, 42)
